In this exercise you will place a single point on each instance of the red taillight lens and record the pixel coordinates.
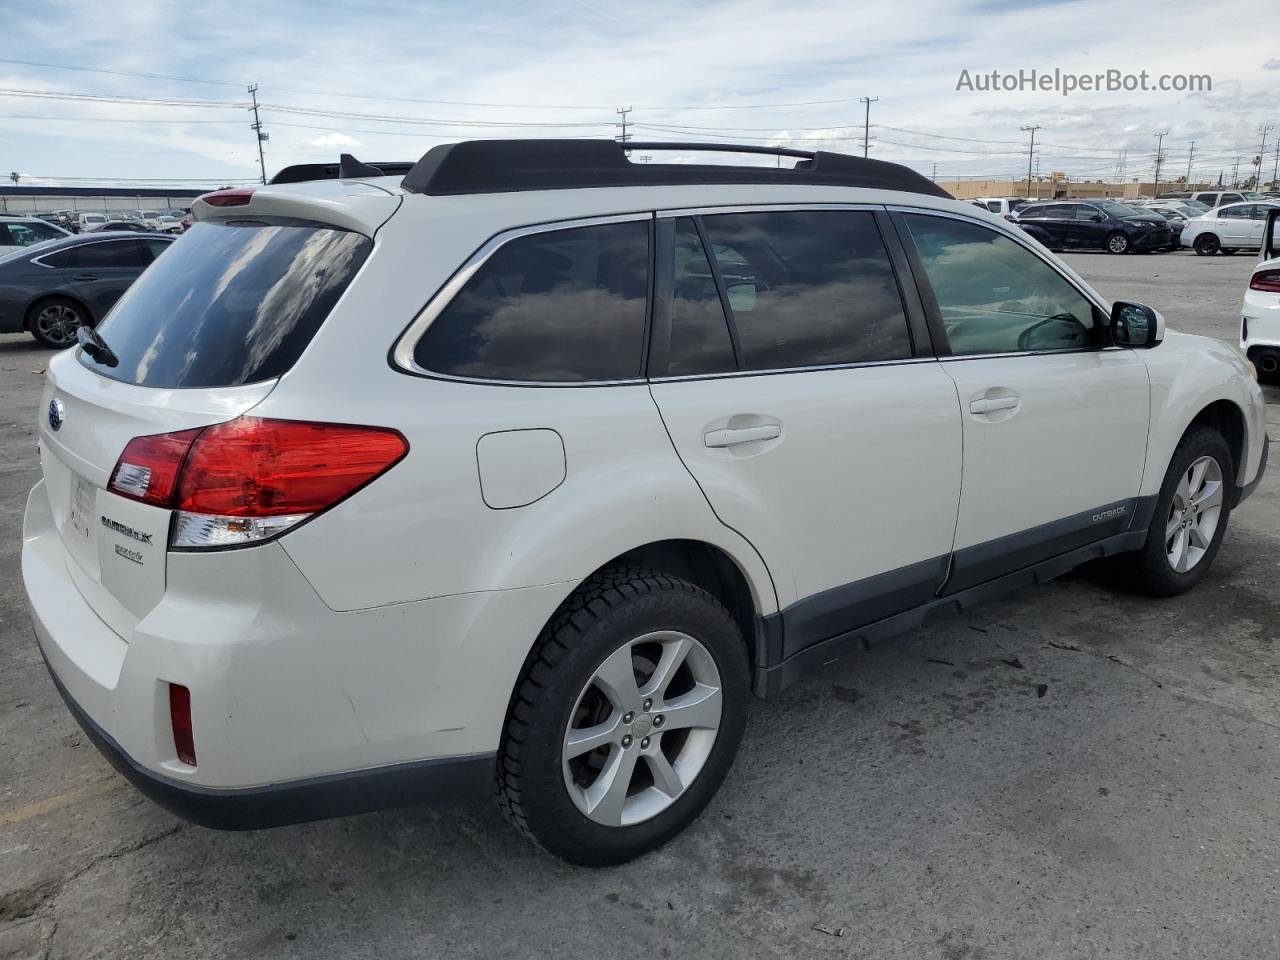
(265, 468)
(243, 481)
(1267, 281)
(148, 468)
(227, 198)
(184, 740)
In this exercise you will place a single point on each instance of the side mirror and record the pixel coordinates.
(1135, 325)
(1271, 235)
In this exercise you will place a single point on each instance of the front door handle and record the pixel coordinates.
(729, 437)
(84, 276)
(992, 404)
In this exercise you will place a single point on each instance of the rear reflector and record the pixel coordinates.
(250, 479)
(1267, 281)
(184, 740)
(227, 198)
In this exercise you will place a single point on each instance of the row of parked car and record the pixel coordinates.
(1207, 222)
(80, 221)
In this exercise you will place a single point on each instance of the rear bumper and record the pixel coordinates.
(299, 801)
(298, 711)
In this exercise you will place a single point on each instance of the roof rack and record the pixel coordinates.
(504, 166)
(347, 168)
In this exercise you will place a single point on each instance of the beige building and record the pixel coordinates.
(1060, 188)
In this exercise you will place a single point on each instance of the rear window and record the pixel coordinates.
(230, 303)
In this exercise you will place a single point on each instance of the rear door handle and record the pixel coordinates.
(732, 437)
(84, 276)
(992, 404)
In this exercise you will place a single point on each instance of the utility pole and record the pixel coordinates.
(1262, 151)
(1031, 153)
(1235, 173)
(262, 135)
(1155, 187)
(866, 124)
(1190, 156)
(622, 112)
(935, 173)
(1275, 171)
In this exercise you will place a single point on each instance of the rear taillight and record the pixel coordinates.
(184, 740)
(1267, 281)
(249, 479)
(228, 198)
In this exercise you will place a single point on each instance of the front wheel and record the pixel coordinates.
(1117, 243)
(626, 718)
(1206, 245)
(1190, 516)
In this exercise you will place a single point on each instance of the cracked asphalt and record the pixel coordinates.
(1069, 772)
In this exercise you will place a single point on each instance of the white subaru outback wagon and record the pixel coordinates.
(526, 466)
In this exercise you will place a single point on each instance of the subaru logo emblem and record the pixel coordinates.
(57, 412)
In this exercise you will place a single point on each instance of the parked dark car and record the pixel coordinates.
(53, 288)
(1094, 225)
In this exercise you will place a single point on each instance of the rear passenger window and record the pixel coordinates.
(561, 306)
(808, 288)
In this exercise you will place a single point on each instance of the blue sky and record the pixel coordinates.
(332, 76)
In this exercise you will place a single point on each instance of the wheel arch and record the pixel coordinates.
(1228, 419)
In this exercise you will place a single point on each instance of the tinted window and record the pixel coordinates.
(996, 296)
(124, 254)
(1231, 198)
(229, 303)
(993, 206)
(561, 306)
(1236, 213)
(1031, 212)
(808, 288)
(699, 334)
(25, 234)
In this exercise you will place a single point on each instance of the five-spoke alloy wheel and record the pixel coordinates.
(1194, 514)
(642, 729)
(626, 718)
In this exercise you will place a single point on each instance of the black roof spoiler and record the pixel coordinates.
(503, 166)
(347, 168)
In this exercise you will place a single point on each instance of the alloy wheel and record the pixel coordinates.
(642, 728)
(1194, 514)
(1118, 243)
(58, 324)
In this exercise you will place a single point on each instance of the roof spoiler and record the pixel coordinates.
(347, 168)
(501, 166)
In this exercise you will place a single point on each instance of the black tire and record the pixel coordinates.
(613, 607)
(1207, 244)
(1149, 568)
(1116, 243)
(1230, 251)
(59, 334)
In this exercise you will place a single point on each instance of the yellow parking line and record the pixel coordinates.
(95, 789)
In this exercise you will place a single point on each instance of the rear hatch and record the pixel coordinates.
(201, 338)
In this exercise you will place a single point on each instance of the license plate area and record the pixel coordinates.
(81, 508)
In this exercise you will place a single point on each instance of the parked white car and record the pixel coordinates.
(531, 465)
(1004, 207)
(1260, 311)
(26, 231)
(1235, 226)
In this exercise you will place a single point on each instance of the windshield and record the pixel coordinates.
(229, 303)
(1119, 210)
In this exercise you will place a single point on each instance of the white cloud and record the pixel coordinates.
(332, 140)
(1272, 64)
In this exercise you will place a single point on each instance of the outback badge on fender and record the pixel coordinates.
(57, 413)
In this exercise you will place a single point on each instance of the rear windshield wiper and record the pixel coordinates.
(96, 347)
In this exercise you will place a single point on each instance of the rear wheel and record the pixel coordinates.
(1190, 516)
(1229, 250)
(54, 322)
(626, 719)
(1207, 244)
(1117, 243)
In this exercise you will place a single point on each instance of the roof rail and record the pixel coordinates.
(504, 166)
(347, 168)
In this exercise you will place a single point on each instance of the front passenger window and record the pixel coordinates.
(995, 295)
